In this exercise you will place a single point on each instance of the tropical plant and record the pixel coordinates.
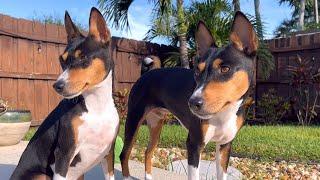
(120, 100)
(272, 107)
(285, 28)
(258, 18)
(265, 59)
(55, 19)
(236, 5)
(3, 106)
(217, 14)
(301, 14)
(304, 17)
(167, 16)
(305, 80)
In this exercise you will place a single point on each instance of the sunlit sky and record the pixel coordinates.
(139, 13)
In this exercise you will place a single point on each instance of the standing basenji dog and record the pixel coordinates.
(209, 101)
(149, 63)
(80, 132)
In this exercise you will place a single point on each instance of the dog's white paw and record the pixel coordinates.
(148, 176)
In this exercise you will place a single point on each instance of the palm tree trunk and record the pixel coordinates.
(316, 13)
(182, 31)
(258, 18)
(236, 5)
(301, 14)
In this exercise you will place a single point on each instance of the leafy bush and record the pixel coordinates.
(272, 108)
(3, 106)
(305, 80)
(121, 100)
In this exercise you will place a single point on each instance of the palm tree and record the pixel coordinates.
(236, 5)
(117, 12)
(299, 21)
(217, 14)
(182, 31)
(301, 14)
(316, 14)
(258, 18)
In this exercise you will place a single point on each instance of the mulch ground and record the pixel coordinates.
(250, 168)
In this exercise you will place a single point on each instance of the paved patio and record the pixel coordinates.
(9, 158)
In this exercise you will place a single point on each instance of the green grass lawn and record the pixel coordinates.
(264, 142)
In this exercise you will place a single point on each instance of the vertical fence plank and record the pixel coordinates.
(9, 54)
(26, 95)
(41, 100)
(25, 56)
(53, 59)
(40, 55)
(9, 91)
(53, 96)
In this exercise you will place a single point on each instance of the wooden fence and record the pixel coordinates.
(29, 63)
(285, 51)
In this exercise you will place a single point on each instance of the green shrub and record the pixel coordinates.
(271, 107)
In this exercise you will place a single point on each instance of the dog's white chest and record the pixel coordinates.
(98, 130)
(222, 128)
(95, 137)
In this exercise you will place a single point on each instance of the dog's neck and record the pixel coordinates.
(99, 98)
(226, 115)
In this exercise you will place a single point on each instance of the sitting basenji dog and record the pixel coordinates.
(209, 101)
(80, 132)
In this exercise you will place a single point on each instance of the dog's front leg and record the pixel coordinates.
(194, 150)
(222, 160)
(62, 161)
(108, 165)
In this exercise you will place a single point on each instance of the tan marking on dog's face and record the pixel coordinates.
(216, 63)
(235, 39)
(77, 53)
(65, 56)
(201, 66)
(225, 153)
(218, 94)
(76, 122)
(83, 79)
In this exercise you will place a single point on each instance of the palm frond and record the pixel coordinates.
(116, 11)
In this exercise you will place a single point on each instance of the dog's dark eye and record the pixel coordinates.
(224, 69)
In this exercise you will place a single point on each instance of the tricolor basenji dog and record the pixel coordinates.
(80, 132)
(209, 101)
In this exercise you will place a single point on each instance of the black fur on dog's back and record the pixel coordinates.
(162, 90)
(154, 91)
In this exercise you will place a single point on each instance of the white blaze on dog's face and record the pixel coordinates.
(223, 75)
(86, 61)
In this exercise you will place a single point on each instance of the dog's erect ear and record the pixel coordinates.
(243, 37)
(204, 39)
(71, 29)
(98, 27)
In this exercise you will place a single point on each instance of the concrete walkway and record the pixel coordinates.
(10, 155)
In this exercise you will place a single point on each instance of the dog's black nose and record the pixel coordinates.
(196, 103)
(59, 86)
